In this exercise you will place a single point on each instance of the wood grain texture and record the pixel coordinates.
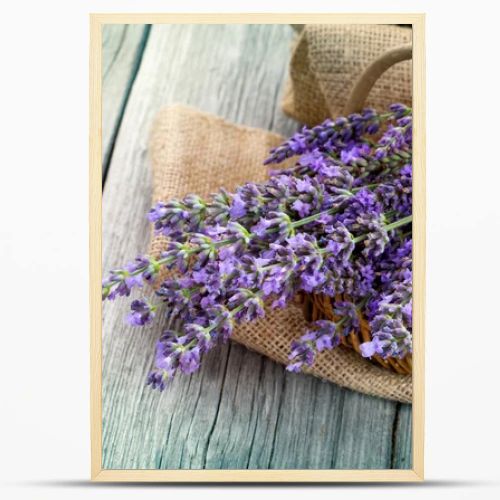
(241, 411)
(402, 442)
(122, 48)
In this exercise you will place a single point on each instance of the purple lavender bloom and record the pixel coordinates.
(177, 255)
(304, 185)
(393, 339)
(217, 211)
(312, 280)
(389, 311)
(275, 194)
(368, 349)
(349, 315)
(238, 208)
(309, 260)
(315, 160)
(157, 212)
(168, 218)
(295, 367)
(222, 317)
(324, 342)
(166, 346)
(260, 229)
(399, 110)
(196, 209)
(248, 305)
(249, 199)
(326, 335)
(142, 313)
(189, 360)
(375, 241)
(407, 313)
(365, 278)
(396, 140)
(174, 351)
(340, 243)
(120, 282)
(158, 379)
(276, 227)
(177, 216)
(240, 238)
(280, 278)
(355, 153)
(361, 211)
(322, 335)
(331, 135)
(320, 165)
(319, 227)
(177, 296)
(403, 187)
(208, 277)
(166, 360)
(303, 353)
(303, 209)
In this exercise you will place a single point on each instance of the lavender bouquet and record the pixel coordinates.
(337, 223)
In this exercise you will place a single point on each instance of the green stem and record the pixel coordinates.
(368, 186)
(388, 227)
(312, 218)
(399, 223)
(301, 222)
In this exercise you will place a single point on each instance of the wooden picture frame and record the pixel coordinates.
(98, 473)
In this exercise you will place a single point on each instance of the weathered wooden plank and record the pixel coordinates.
(365, 442)
(402, 444)
(122, 47)
(308, 428)
(241, 410)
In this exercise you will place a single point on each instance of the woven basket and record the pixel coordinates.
(317, 307)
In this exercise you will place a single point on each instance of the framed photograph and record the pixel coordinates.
(257, 243)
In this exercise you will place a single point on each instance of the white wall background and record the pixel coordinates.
(44, 367)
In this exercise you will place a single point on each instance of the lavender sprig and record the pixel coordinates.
(336, 224)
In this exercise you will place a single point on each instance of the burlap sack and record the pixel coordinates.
(193, 152)
(328, 58)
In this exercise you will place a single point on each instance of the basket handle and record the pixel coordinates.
(372, 73)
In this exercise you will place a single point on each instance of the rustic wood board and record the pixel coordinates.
(122, 46)
(241, 410)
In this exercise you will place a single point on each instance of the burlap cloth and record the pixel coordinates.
(328, 58)
(193, 152)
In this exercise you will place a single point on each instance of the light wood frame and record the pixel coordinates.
(97, 472)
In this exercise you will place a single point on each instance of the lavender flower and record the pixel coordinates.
(120, 282)
(177, 352)
(396, 140)
(159, 378)
(248, 305)
(330, 136)
(350, 317)
(322, 335)
(336, 223)
(375, 346)
(355, 153)
(142, 313)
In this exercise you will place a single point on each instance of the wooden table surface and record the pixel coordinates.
(241, 410)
